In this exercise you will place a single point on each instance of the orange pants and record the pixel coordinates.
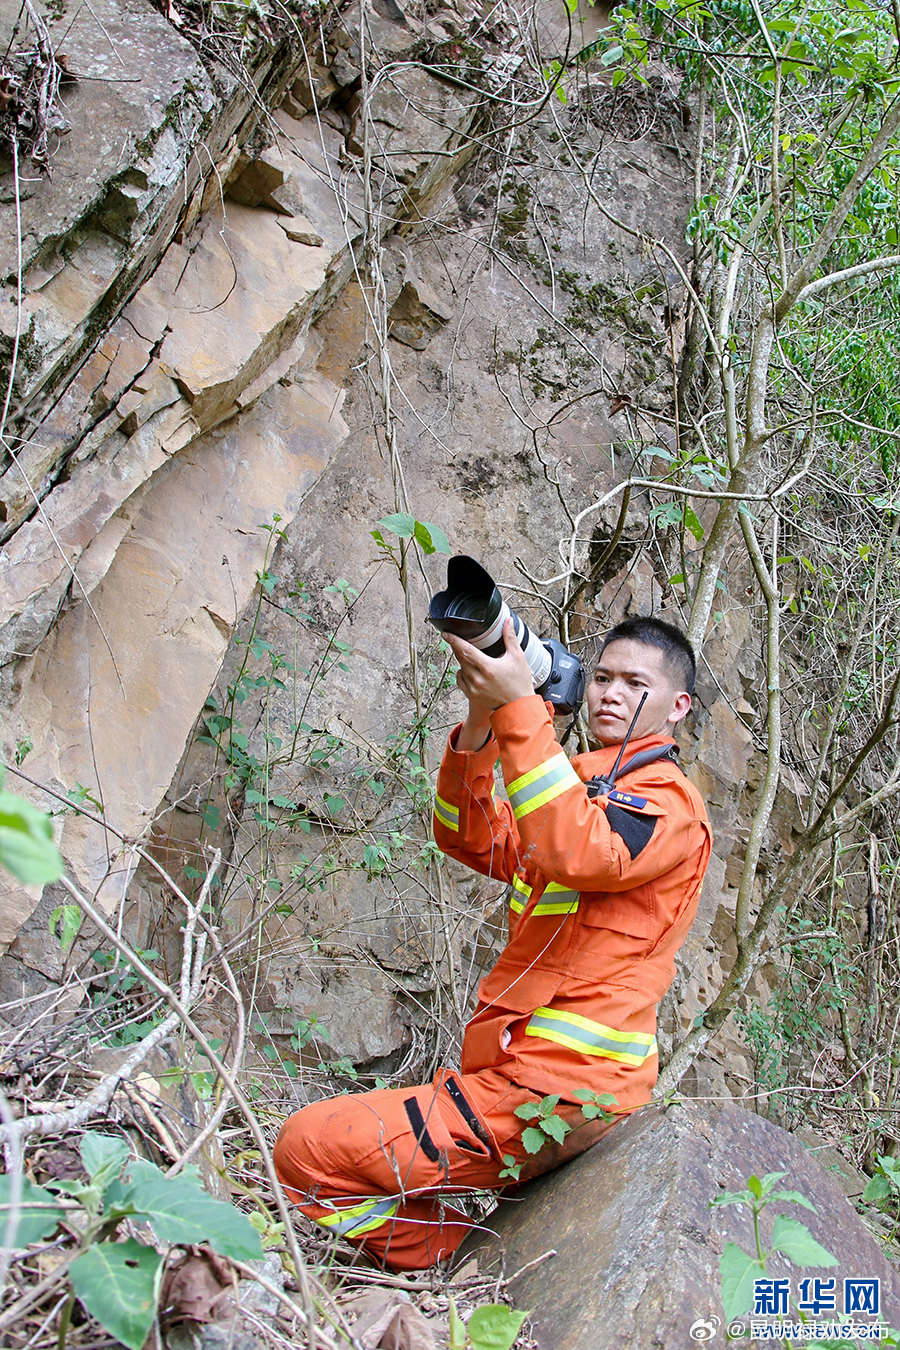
(378, 1168)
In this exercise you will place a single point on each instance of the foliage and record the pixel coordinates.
(595, 1105)
(791, 1238)
(547, 1126)
(493, 1326)
(883, 1187)
(118, 1281)
(430, 538)
(27, 849)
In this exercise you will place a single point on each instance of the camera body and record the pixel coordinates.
(473, 608)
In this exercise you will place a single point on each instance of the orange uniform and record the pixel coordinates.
(602, 894)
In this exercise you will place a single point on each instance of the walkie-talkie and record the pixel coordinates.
(601, 784)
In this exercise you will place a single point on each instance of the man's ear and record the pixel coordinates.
(681, 706)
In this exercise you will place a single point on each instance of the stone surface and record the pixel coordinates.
(416, 315)
(115, 689)
(637, 1245)
(154, 134)
(227, 321)
(136, 70)
(136, 535)
(417, 122)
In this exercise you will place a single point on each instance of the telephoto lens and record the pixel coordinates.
(473, 608)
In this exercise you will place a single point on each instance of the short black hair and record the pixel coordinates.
(678, 652)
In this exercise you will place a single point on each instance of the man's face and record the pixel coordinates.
(627, 670)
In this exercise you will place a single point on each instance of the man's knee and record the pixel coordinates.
(298, 1152)
(337, 1145)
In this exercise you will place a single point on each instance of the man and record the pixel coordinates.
(603, 891)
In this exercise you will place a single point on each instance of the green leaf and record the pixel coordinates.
(118, 1283)
(692, 522)
(67, 918)
(796, 1241)
(494, 1327)
(755, 1186)
(440, 542)
(401, 523)
(33, 1224)
(795, 1198)
(556, 1127)
(738, 1273)
(527, 1111)
(611, 56)
(179, 1212)
(26, 842)
(423, 537)
(732, 1198)
(533, 1140)
(142, 1170)
(104, 1156)
(457, 1329)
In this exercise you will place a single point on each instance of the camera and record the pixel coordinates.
(473, 608)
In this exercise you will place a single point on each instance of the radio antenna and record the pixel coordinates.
(607, 781)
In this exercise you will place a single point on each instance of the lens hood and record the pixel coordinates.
(470, 605)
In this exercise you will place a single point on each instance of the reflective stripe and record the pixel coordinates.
(372, 1213)
(524, 890)
(448, 815)
(557, 899)
(591, 1038)
(539, 786)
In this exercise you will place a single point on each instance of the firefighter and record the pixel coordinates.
(603, 887)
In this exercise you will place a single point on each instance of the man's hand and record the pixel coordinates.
(488, 682)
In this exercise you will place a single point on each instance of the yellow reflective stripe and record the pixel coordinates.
(541, 785)
(524, 889)
(557, 899)
(591, 1038)
(448, 815)
(359, 1219)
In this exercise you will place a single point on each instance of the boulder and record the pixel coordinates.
(637, 1246)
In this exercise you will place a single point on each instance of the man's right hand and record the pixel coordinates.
(488, 682)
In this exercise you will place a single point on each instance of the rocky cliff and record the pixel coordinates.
(251, 308)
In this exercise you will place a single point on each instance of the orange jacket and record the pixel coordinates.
(603, 893)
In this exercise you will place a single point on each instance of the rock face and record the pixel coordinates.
(637, 1245)
(198, 367)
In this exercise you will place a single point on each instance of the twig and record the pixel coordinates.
(14, 1172)
(529, 1265)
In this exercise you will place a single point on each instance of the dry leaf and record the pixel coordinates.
(408, 1330)
(194, 1290)
(387, 1321)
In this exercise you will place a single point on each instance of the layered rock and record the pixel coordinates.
(194, 419)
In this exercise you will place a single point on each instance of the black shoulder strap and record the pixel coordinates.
(600, 784)
(644, 757)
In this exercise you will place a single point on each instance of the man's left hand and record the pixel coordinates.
(489, 682)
